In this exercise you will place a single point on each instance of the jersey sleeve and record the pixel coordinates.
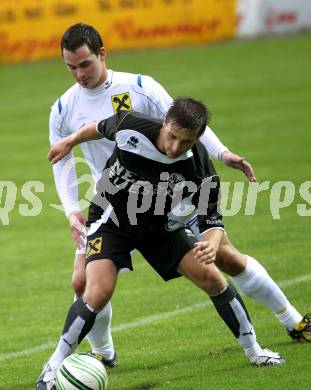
(158, 98)
(65, 178)
(64, 171)
(57, 124)
(109, 126)
(212, 143)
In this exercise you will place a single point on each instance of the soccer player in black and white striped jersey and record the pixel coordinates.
(149, 152)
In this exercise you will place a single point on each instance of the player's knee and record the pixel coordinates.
(97, 296)
(230, 260)
(211, 280)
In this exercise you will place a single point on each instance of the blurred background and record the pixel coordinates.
(31, 29)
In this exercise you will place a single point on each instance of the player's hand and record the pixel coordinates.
(59, 150)
(77, 223)
(237, 162)
(204, 252)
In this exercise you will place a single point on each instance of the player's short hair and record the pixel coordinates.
(188, 113)
(81, 34)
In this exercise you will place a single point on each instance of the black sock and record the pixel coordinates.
(80, 320)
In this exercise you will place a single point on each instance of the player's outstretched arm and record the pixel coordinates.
(237, 162)
(61, 148)
(216, 149)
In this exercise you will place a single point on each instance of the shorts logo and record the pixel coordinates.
(94, 246)
(121, 102)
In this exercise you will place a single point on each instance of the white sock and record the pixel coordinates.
(100, 337)
(255, 282)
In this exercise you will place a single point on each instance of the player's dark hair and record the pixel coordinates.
(81, 34)
(189, 114)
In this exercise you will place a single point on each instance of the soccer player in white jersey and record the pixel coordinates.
(99, 93)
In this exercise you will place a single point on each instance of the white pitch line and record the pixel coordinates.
(160, 317)
(145, 321)
(26, 352)
(300, 279)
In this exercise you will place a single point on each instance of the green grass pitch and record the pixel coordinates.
(167, 335)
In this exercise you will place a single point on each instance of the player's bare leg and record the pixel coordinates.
(78, 279)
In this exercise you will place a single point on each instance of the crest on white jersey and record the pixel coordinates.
(121, 102)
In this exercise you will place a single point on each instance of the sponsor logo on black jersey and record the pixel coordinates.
(133, 141)
(121, 102)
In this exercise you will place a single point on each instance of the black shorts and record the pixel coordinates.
(94, 214)
(163, 249)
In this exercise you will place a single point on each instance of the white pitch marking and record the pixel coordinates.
(145, 321)
(25, 352)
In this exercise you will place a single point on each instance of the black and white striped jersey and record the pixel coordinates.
(139, 177)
